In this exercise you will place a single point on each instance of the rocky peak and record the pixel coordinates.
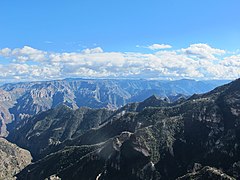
(207, 173)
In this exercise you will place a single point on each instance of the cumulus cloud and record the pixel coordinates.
(231, 61)
(5, 52)
(94, 50)
(24, 54)
(203, 51)
(194, 61)
(159, 46)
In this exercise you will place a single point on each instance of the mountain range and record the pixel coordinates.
(188, 138)
(23, 100)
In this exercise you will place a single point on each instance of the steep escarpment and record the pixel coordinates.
(12, 159)
(54, 126)
(6, 102)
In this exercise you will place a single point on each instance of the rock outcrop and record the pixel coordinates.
(207, 173)
(12, 159)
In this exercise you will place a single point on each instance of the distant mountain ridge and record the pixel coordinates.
(22, 100)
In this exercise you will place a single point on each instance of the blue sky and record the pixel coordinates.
(61, 26)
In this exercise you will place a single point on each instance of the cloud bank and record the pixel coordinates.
(198, 61)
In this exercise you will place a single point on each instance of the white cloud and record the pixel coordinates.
(159, 46)
(94, 50)
(24, 54)
(5, 52)
(203, 51)
(195, 61)
(231, 61)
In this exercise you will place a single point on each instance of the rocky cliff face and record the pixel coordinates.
(23, 100)
(154, 140)
(47, 129)
(6, 102)
(12, 159)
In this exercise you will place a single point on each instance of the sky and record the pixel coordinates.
(152, 39)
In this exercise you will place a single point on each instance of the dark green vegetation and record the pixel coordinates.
(23, 100)
(154, 139)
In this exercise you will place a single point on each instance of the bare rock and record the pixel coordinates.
(12, 159)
